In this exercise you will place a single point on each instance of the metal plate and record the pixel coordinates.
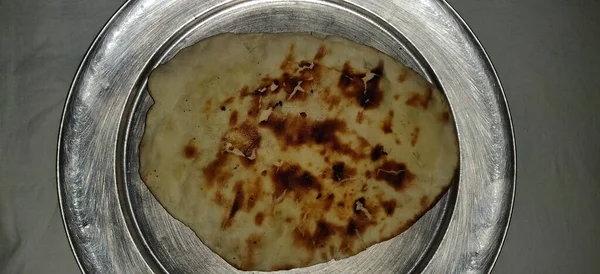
(116, 226)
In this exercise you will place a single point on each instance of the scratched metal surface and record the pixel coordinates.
(116, 226)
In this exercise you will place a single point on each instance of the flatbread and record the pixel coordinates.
(288, 150)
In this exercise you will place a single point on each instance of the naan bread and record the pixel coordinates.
(288, 150)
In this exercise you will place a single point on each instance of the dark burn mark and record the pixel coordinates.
(254, 239)
(330, 100)
(303, 74)
(264, 173)
(360, 225)
(303, 114)
(389, 206)
(395, 174)
(190, 151)
(258, 219)
(352, 227)
(324, 132)
(414, 136)
(322, 232)
(244, 137)
(363, 142)
(233, 118)
(352, 85)
(418, 100)
(277, 124)
(214, 173)
(445, 117)
(264, 86)
(207, 105)
(252, 242)
(238, 202)
(318, 238)
(396, 97)
(318, 196)
(260, 93)
(254, 108)
(244, 92)
(377, 152)
(223, 108)
(247, 162)
(360, 117)
(288, 61)
(290, 83)
(295, 131)
(368, 174)
(329, 201)
(279, 104)
(373, 95)
(293, 179)
(416, 217)
(402, 75)
(321, 52)
(359, 200)
(387, 123)
(228, 101)
(219, 198)
(305, 64)
(351, 82)
(338, 171)
(341, 172)
(253, 191)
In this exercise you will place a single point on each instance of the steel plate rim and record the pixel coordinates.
(68, 101)
(512, 140)
(86, 59)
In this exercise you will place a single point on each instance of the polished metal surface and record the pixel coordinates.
(116, 226)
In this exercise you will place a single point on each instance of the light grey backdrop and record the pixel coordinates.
(546, 54)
